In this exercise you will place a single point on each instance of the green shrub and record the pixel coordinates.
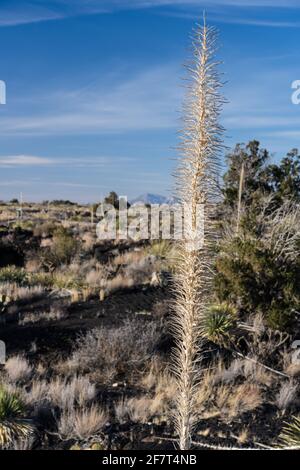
(62, 251)
(13, 274)
(254, 279)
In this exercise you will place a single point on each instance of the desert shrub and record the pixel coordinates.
(259, 260)
(13, 274)
(65, 280)
(62, 251)
(113, 199)
(252, 277)
(112, 351)
(12, 426)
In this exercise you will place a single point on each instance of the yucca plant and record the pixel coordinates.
(218, 322)
(197, 190)
(12, 426)
(4, 300)
(290, 435)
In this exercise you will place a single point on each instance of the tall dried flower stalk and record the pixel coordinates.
(197, 186)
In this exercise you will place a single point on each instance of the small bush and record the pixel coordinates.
(113, 351)
(13, 274)
(62, 251)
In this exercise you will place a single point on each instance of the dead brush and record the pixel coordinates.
(106, 352)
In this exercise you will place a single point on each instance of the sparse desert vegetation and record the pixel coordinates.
(89, 342)
(150, 343)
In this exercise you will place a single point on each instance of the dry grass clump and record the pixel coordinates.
(68, 393)
(228, 374)
(106, 352)
(258, 374)
(82, 424)
(96, 278)
(147, 407)
(287, 395)
(61, 392)
(120, 281)
(24, 293)
(154, 406)
(129, 257)
(246, 397)
(137, 410)
(18, 369)
(230, 401)
(219, 394)
(54, 314)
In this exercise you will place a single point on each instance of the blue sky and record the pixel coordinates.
(94, 89)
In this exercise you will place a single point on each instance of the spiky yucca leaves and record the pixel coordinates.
(218, 322)
(290, 435)
(197, 189)
(12, 426)
(4, 299)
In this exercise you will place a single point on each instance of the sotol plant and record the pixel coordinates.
(12, 426)
(290, 435)
(197, 177)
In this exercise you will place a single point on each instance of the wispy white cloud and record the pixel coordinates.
(147, 101)
(24, 160)
(14, 161)
(16, 12)
(214, 16)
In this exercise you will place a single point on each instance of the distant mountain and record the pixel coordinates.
(149, 198)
